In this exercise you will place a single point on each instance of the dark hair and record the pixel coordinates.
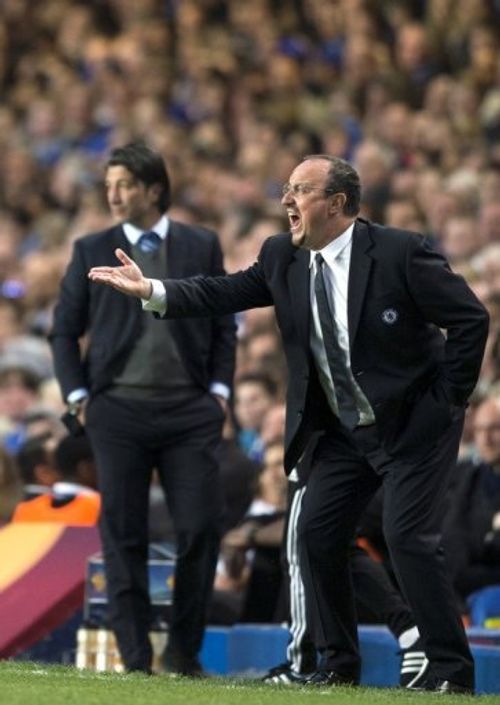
(71, 451)
(146, 165)
(342, 178)
(21, 375)
(32, 452)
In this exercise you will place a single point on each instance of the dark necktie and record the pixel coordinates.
(344, 392)
(149, 242)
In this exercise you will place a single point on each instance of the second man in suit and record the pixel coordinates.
(154, 394)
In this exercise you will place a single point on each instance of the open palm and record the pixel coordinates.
(127, 278)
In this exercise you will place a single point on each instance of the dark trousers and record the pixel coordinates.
(347, 470)
(129, 439)
(373, 591)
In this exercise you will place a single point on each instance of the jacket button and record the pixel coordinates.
(358, 374)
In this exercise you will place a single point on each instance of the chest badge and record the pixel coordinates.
(390, 316)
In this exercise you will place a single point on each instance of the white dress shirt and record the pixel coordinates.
(337, 256)
(133, 234)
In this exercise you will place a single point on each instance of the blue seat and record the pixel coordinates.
(484, 605)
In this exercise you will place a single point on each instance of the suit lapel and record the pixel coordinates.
(359, 271)
(177, 251)
(299, 287)
(119, 240)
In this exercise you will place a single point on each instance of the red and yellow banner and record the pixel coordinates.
(42, 575)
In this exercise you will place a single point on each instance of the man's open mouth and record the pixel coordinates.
(295, 221)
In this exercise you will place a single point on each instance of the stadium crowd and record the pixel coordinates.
(233, 94)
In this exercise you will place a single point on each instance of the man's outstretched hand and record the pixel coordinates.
(128, 278)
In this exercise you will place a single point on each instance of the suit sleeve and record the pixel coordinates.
(223, 352)
(70, 323)
(218, 295)
(445, 299)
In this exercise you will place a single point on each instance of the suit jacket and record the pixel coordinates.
(400, 294)
(111, 322)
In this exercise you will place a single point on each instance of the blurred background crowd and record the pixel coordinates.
(233, 94)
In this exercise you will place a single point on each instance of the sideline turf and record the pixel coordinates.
(23, 683)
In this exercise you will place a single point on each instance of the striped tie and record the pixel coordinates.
(344, 390)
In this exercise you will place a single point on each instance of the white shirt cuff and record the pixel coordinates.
(77, 395)
(157, 302)
(221, 390)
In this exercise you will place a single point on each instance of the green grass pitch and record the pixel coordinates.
(23, 683)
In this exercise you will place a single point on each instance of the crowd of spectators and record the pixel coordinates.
(233, 94)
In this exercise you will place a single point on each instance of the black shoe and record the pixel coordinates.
(284, 675)
(438, 685)
(183, 666)
(414, 666)
(329, 679)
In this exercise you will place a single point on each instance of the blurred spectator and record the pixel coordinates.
(415, 63)
(273, 426)
(264, 354)
(254, 394)
(10, 241)
(238, 475)
(489, 223)
(72, 499)
(19, 393)
(37, 465)
(405, 214)
(40, 274)
(472, 531)
(460, 238)
(250, 564)
(24, 364)
(374, 163)
(11, 324)
(74, 459)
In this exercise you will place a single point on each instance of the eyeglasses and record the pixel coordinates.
(303, 189)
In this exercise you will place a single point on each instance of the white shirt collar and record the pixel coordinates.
(132, 233)
(334, 248)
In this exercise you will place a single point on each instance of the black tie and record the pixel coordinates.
(344, 392)
(149, 242)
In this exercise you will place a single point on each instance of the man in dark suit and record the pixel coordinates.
(154, 395)
(360, 308)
